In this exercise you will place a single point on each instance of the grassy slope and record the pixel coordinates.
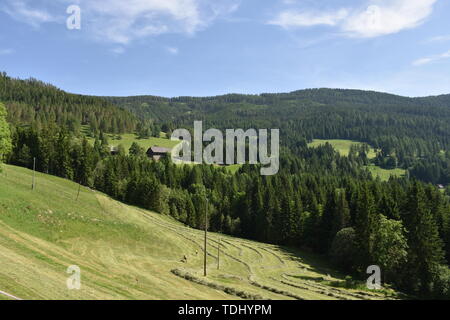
(128, 253)
(128, 139)
(385, 174)
(343, 147)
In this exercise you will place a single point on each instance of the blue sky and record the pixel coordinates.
(211, 47)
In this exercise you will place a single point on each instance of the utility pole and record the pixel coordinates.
(218, 255)
(34, 170)
(206, 235)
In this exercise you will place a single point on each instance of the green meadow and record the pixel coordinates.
(342, 146)
(125, 252)
(126, 140)
(385, 174)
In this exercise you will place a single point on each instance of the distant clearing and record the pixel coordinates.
(342, 146)
(128, 139)
(385, 174)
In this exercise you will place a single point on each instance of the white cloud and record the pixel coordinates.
(388, 17)
(378, 18)
(122, 21)
(288, 19)
(431, 59)
(422, 61)
(21, 11)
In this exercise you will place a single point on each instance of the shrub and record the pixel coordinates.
(343, 249)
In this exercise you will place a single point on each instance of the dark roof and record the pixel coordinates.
(159, 150)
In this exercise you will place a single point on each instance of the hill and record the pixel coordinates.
(33, 102)
(126, 252)
(165, 109)
(408, 133)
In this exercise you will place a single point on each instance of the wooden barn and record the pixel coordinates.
(156, 153)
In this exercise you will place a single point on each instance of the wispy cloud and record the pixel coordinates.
(378, 18)
(290, 19)
(431, 59)
(22, 11)
(118, 50)
(442, 38)
(4, 52)
(172, 50)
(120, 21)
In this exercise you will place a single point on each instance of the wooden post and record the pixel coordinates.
(34, 170)
(218, 255)
(78, 194)
(206, 235)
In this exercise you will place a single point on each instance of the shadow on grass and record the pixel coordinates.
(321, 265)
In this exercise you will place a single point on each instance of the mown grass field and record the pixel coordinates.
(385, 174)
(342, 146)
(127, 140)
(125, 252)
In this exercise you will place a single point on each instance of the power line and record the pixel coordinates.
(206, 236)
(218, 255)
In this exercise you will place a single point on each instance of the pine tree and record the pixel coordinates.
(342, 219)
(425, 247)
(287, 223)
(366, 220)
(136, 150)
(327, 224)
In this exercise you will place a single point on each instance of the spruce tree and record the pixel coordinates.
(425, 247)
(366, 220)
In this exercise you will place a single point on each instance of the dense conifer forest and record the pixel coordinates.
(319, 201)
(408, 133)
(36, 103)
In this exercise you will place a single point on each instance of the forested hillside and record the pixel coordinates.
(409, 133)
(36, 103)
